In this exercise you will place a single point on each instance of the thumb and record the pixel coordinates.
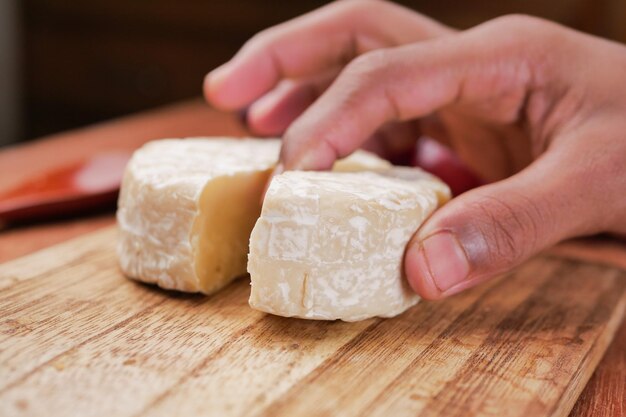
(493, 228)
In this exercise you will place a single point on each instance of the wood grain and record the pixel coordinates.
(77, 338)
(604, 395)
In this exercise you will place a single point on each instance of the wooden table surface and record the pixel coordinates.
(605, 394)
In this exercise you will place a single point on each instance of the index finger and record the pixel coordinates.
(494, 63)
(322, 39)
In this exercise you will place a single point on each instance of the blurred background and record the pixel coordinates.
(66, 63)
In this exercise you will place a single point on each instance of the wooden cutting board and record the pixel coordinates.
(77, 338)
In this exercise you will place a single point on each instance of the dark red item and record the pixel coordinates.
(439, 160)
(72, 189)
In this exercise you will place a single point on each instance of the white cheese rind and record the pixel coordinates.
(159, 202)
(330, 245)
(162, 226)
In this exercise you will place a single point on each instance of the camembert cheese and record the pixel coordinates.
(187, 207)
(330, 245)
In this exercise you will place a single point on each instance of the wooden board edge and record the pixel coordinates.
(590, 362)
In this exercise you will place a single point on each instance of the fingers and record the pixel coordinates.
(491, 229)
(273, 113)
(413, 81)
(322, 39)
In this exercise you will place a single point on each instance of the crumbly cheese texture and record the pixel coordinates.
(330, 245)
(187, 207)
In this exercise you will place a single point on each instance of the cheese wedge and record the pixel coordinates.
(187, 207)
(330, 245)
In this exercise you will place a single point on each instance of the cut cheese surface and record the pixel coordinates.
(330, 245)
(187, 207)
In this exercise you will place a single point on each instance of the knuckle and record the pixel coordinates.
(495, 231)
(368, 67)
(534, 44)
(518, 21)
(259, 39)
(360, 5)
(510, 228)
(353, 9)
(266, 37)
(522, 30)
(362, 77)
(370, 78)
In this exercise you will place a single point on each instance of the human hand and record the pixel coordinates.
(537, 109)
(281, 71)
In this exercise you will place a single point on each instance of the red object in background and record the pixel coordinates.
(72, 189)
(439, 160)
(95, 182)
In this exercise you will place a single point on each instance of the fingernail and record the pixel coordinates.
(443, 260)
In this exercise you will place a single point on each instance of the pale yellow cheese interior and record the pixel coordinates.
(187, 208)
(229, 208)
